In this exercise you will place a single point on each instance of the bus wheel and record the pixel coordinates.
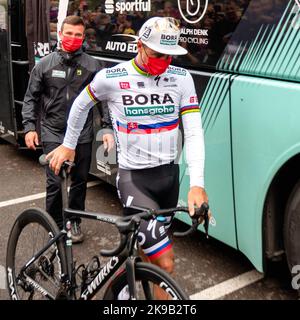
(291, 235)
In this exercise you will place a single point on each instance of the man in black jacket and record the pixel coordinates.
(54, 84)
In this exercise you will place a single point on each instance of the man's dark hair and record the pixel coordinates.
(74, 21)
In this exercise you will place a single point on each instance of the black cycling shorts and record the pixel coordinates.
(155, 188)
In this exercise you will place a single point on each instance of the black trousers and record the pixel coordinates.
(79, 176)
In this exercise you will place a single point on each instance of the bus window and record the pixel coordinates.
(113, 26)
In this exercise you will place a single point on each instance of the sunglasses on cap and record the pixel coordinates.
(166, 24)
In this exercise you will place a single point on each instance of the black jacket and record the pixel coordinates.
(54, 84)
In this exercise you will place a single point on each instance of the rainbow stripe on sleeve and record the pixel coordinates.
(189, 109)
(91, 93)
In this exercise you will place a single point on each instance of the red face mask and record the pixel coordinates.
(157, 66)
(71, 44)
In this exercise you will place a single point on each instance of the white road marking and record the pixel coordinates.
(224, 288)
(36, 196)
(2, 278)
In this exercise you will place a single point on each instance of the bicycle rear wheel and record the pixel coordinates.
(147, 277)
(32, 230)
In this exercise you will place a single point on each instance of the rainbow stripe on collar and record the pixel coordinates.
(139, 69)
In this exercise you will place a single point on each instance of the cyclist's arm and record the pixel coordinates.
(194, 148)
(193, 133)
(96, 91)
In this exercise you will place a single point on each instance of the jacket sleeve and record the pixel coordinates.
(31, 103)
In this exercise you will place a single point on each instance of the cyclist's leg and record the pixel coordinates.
(155, 244)
(160, 254)
(53, 189)
(79, 177)
(136, 187)
(172, 187)
(165, 260)
(159, 249)
(131, 192)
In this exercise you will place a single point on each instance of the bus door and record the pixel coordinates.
(7, 118)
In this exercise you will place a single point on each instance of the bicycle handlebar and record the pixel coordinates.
(201, 212)
(64, 168)
(129, 224)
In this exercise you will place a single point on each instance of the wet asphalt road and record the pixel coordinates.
(200, 264)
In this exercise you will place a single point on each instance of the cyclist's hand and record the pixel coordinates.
(58, 156)
(31, 140)
(108, 141)
(196, 197)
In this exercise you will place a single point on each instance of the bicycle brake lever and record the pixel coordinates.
(203, 211)
(199, 212)
(206, 223)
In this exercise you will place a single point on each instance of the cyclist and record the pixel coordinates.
(145, 97)
(54, 84)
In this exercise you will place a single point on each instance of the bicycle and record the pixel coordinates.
(47, 270)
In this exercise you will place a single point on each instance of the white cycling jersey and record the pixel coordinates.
(145, 114)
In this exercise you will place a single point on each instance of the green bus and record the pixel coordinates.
(244, 56)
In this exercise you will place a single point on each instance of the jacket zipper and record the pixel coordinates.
(68, 76)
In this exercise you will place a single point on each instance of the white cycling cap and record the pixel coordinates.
(161, 34)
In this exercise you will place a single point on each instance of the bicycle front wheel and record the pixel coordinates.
(148, 278)
(40, 279)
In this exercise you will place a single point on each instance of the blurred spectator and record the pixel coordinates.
(104, 29)
(90, 42)
(53, 35)
(170, 10)
(138, 19)
(128, 27)
(53, 10)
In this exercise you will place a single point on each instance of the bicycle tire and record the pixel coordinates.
(148, 275)
(34, 227)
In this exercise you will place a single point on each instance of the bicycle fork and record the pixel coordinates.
(130, 274)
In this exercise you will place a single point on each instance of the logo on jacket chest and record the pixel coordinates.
(59, 74)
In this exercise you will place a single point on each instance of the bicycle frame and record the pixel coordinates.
(105, 273)
(114, 263)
